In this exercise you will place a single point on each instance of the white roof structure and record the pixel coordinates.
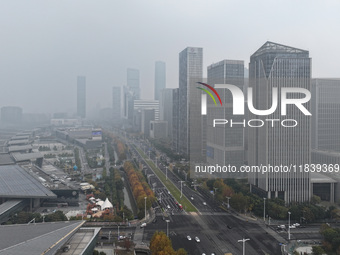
(100, 203)
(107, 204)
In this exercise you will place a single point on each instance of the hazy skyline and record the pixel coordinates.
(45, 45)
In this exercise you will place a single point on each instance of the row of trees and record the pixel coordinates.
(140, 188)
(160, 244)
(120, 149)
(242, 200)
(331, 242)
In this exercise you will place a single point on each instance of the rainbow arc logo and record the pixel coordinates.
(204, 97)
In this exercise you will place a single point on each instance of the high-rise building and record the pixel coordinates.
(132, 79)
(81, 96)
(160, 79)
(190, 121)
(225, 144)
(279, 66)
(166, 108)
(175, 120)
(116, 104)
(128, 105)
(326, 114)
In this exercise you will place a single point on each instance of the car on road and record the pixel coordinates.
(229, 227)
(168, 206)
(189, 238)
(143, 225)
(204, 203)
(197, 239)
(192, 198)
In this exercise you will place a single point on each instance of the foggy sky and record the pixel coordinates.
(45, 45)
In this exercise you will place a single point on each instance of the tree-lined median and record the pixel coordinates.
(169, 185)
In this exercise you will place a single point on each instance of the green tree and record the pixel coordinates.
(315, 199)
(160, 244)
(317, 250)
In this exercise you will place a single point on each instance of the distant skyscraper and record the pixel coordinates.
(81, 96)
(175, 120)
(190, 123)
(225, 144)
(116, 104)
(133, 82)
(159, 79)
(326, 114)
(276, 65)
(128, 101)
(166, 108)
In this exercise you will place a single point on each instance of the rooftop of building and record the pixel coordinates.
(15, 182)
(6, 159)
(269, 47)
(41, 238)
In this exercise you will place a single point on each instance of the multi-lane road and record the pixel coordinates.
(218, 231)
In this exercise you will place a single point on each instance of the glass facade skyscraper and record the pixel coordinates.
(225, 145)
(190, 125)
(280, 66)
(160, 79)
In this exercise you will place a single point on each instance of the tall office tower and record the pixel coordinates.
(160, 79)
(116, 104)
(81, 96)
(175, 120)
(132, 79)
(279, 66)
(165, 108)
(128, 105)
(326, 114)
(190, 121)
(225, 144)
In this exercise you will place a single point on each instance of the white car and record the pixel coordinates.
(143, 225)
(204, 203)
(197, 239)
(189, 238)
(168, 206)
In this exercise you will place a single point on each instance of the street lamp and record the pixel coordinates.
(215, 191)
(145, 206)
(244, 244)
(264, 210)
(167, 228)
(181, 188)
(289, 225)
(228, 202)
